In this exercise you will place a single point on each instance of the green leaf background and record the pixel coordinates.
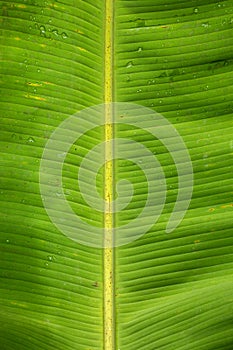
(173, 291)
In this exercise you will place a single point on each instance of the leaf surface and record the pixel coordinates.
(171, 290)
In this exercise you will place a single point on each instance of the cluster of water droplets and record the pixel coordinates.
(51, 33)
(49, 260)
(47, 31)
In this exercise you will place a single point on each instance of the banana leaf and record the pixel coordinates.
(160, 289)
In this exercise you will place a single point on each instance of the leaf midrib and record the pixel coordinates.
(108, 252)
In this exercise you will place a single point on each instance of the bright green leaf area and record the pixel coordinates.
(173, 291)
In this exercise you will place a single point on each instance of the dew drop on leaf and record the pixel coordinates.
(55, 32)
(30, 140)
(64, 35)
(205, 25)
(42, 30)
(129, 64)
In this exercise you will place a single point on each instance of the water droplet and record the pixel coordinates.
(55, 32)
(195, 10)
(30, 140)
(50, 258)
(139, 90)
(128, 78)
(139, 49)
(46, 264)
(50, 20)
(38, 70)
(205, 25)
(129, 64)
(42, 30)
(64, 35)
(7, 241)
(35, 90)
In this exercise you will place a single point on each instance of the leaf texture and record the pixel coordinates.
(172, 290)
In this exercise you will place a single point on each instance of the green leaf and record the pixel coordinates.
(170, 290)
